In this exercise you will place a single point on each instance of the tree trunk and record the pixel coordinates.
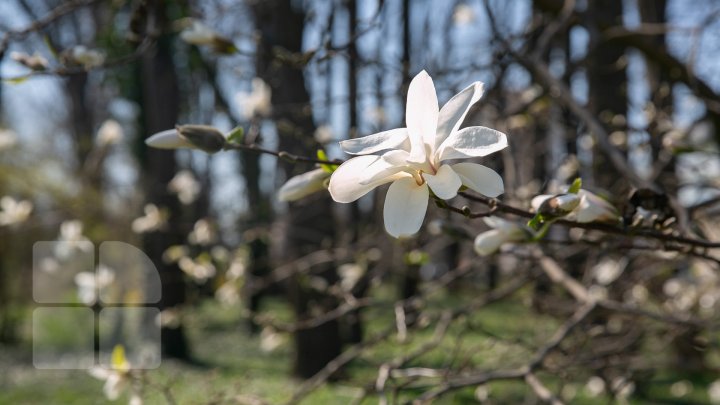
(308, 225)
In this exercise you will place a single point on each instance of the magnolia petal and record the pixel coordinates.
(472, 142)
(421, 115)
(169, 139)
(392, 139)
(593, 208)
(499, 223)
(405, 206)
(453, 113)
(489, 242)
(390, 163)
(303, 185)
(537, 201)
(445, 183)
(345, 184)
(480, 178)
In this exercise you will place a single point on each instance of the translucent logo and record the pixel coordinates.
(84, 310)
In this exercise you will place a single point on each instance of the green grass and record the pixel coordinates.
(502, 335)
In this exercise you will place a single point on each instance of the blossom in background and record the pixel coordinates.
(90, 284)
(413, 158)
(463, 14)
(323, 134)
(503, 231)
(118, 377)
(13, 212)
(82, 55)
(109, 133)
(257, 102)
(200, 34)
(153, 220)
(34, 61)
(303, 185)
(586, 207)
(203, 233)
(186, 186)
(71, 232)
(202, 137)
(8, 139)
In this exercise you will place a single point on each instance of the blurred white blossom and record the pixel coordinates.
(118, 377)
(463, 14)
(110, 133)
(270, 339)
(82, 55)
(153, 220)
(323, 134)
(503, 231)
(8, 139)
(13, 212)
(90, 284)
(186, 186)
(203, 233)
(257, 102)
(302, 185)
(200, 269)
(34, 61)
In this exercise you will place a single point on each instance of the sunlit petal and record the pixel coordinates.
(390, 163)
(345, 184)
(421, 115)
(453, 113)
(405, 206)
(472, 142)
(479, 178)
(303, 185)
(169, 139)
(445, 183)
(392, 139)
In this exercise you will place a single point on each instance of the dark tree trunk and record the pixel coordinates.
(160, 105)
(308, 226)
(607, 82)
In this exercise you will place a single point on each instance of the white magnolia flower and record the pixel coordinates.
(257, 102)
(8, 139)
(87, 57)
(200, 269)
(323, 134)
(415, 158)
(118, 377)
(110, 133)
(186, 186)
(202, 137)
(463, 14)
(203, 233)
(34, 61)
(13, 212)
(153, 220)
(91, 284)
(303, 185)
(71, 232)
(590, 208)
(200, 34)
(503, 231)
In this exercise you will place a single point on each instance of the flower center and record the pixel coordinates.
(417, 175)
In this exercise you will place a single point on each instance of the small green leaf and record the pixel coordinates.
(536, 221)
(575, 186)
(236, 135)
(417, 258)
(321, 155)
(17, 80)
